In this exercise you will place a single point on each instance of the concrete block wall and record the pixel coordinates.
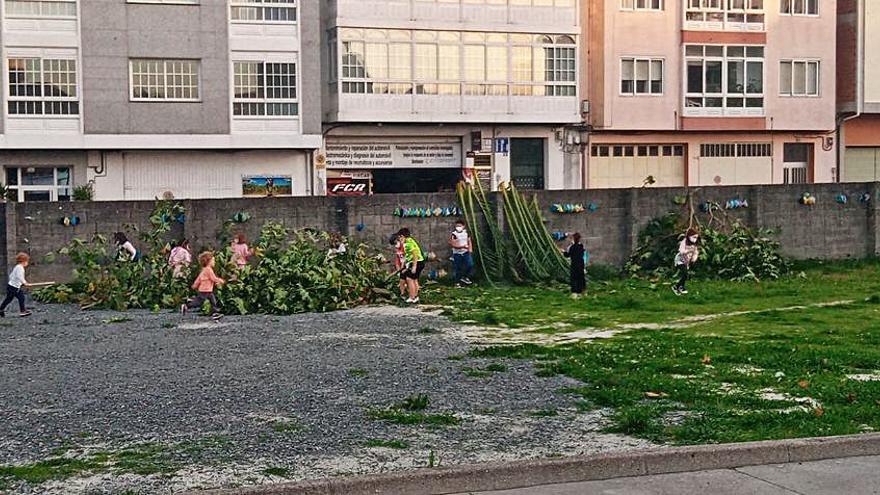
(828, 230)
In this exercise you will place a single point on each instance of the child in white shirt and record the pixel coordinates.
(16, 284)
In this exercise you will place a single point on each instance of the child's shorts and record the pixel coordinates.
(414, 276)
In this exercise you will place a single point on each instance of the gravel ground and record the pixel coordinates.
(227, 400)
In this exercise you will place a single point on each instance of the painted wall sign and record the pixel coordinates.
(266, 186)
(394, 155)
(347, 186)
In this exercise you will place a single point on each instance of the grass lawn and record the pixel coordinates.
(765, 375)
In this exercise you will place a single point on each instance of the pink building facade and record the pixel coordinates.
(709, 92)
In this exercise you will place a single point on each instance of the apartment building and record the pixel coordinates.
(159, 98)
(709, 92)
(420, 93)
(858, 95)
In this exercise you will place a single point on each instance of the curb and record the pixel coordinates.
(522, 474)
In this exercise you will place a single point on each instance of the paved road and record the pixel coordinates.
(852, 476)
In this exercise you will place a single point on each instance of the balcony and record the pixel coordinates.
(724, 15)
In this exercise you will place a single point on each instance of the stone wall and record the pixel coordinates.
(827, 230)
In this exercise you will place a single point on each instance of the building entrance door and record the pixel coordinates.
(527, 163)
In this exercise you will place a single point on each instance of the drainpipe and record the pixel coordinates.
(860, 83)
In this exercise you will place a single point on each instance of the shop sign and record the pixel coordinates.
(260, 186)
(394, 155)
(347, 186)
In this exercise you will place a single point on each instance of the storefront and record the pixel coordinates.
(358, 166)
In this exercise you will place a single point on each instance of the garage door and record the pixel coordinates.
(622, 166)
(861, 165)
(729, 164)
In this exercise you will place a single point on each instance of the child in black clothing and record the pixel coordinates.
(578, 275)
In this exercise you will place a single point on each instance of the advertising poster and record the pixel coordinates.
(264, 186)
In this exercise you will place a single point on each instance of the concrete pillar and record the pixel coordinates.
(632, 225)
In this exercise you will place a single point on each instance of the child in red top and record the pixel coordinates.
(204, 285)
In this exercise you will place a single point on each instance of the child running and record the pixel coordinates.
(204, 285)
(576, 253)
(415, 263)
(15, 286)
(240, 251)
(688, 254)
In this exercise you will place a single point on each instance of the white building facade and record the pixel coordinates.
(155, 98)
(418, 94)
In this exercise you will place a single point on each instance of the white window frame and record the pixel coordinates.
(725, 95)
(513, 3)
(165, 74)
(790, 90)
(263, 6)
(560, 81)
(265, 100)
(42, 61)
(53, 189)
(646, 5)
(167, 2)
(721, 15)
(790, 4)
(42, 7)
(650, 61)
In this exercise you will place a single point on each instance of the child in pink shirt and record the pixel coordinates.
(240, 251)
(204, 285)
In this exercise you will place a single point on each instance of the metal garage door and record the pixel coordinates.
(622, 166)
(727, 164)
(861, 165)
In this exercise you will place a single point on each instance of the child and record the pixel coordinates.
(577, 253)
(462, 260)
(688, 253)
(399, 262)
(204, 285)
(240, 251)
(415, 263)
(125, 250)
(180, 259)
(15, 286)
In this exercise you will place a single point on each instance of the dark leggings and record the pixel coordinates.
(13, 293)
(683, 274)
(199, 300)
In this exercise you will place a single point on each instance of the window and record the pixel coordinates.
(40, 8)
(734, 150)
(799, 7)
(641, 76)
(516, 3)
(40, 183)
(264, 89)
(724, 14)
(188, 2)
(380, 61)
(280, 11)
(42, 87)
(724, 80)
(561, 66)
(164, 80)
(799, 78)
(641, 4)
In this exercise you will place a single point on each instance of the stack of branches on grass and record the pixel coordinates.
(729, 250)
(525, 252)
(293, 272)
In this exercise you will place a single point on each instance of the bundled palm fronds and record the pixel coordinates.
(525, 251)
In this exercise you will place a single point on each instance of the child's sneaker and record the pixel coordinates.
(682, 291)
(25, 313)
(459, 286)
(415, 301)
(676, 290)
(183, 309)
(216, 316)
(409, 300)
(466, 281)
